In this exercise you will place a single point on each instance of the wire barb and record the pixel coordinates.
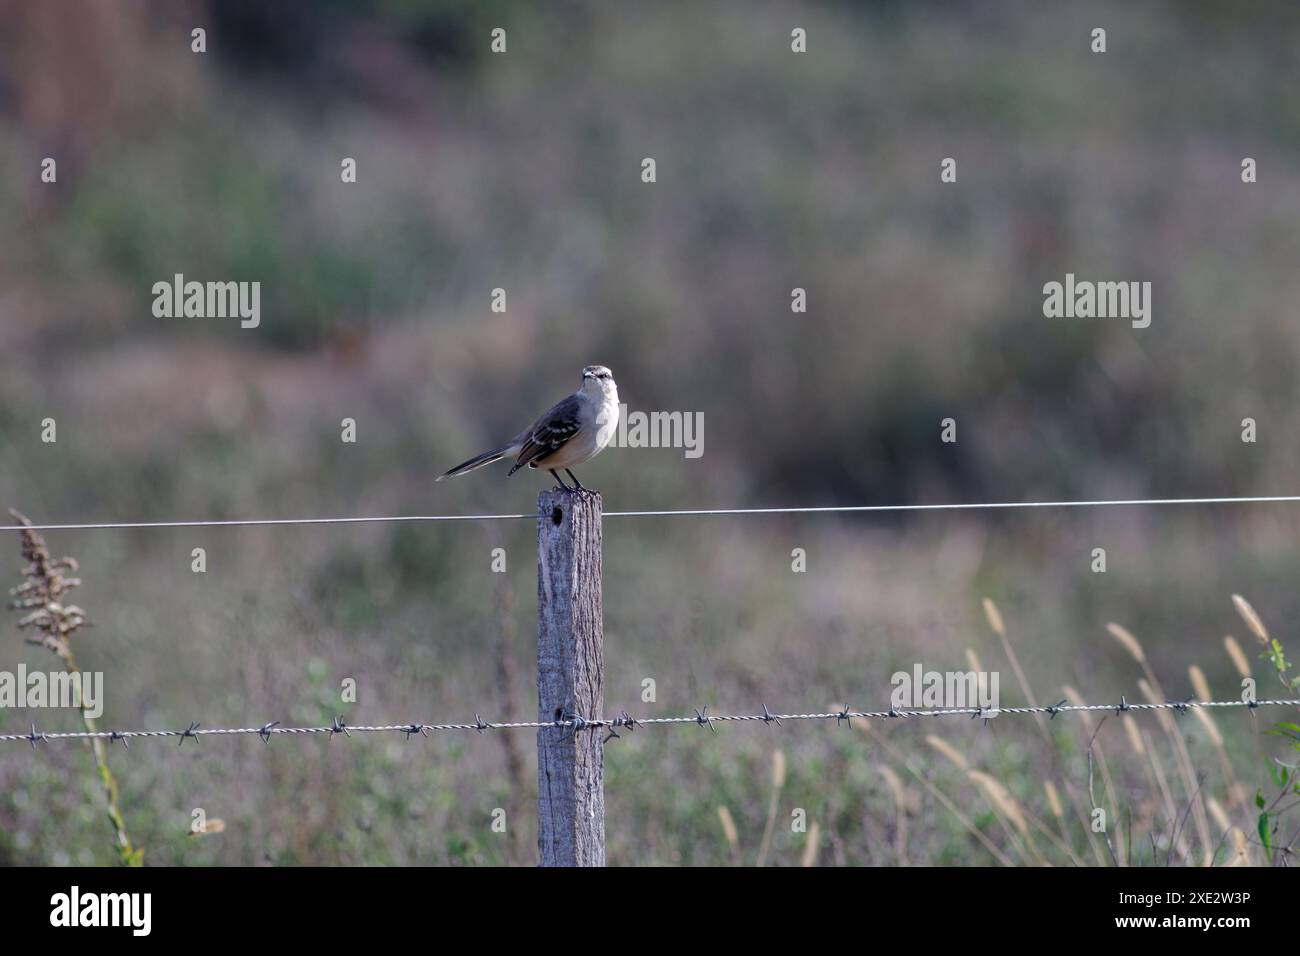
(702, 717)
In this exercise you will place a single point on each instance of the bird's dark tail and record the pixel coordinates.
(477, 462)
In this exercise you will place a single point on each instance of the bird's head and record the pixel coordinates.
(598, 381)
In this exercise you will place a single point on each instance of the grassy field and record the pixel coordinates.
(775, 171)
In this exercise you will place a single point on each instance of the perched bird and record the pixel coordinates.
(575, 430)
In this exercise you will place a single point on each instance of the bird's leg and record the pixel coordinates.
(581, 490)
(556, 476)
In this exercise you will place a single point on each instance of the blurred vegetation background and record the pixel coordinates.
(522, 171)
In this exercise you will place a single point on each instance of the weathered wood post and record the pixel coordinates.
(570, 680)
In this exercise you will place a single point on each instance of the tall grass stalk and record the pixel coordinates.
(54, 623)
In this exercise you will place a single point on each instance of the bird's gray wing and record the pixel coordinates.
(550, 432)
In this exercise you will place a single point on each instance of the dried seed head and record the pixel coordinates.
(1238, 656)
(1210, 726)
(995, 618)
(1130, 642)
(1001, 797)
(1053, 800)
(948, 750)
(904, 799)
(1074, 697)
(810, 844)
(42, 592)
(1149, 692)
(212, 826)
(729, 827)
(778, 769)
(1251, 618)
(1199, 683)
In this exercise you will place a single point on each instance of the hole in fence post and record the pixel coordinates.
(557, 516)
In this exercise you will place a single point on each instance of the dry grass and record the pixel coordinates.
(1251, 618)
(47, 582)
(731, 832)
(1174, 813)
(1237, 655)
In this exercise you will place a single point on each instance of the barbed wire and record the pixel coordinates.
(612, 725)
(697, 512)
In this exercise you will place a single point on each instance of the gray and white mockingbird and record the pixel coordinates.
(573, 431)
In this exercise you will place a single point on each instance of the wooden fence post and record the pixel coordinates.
(570, 679)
